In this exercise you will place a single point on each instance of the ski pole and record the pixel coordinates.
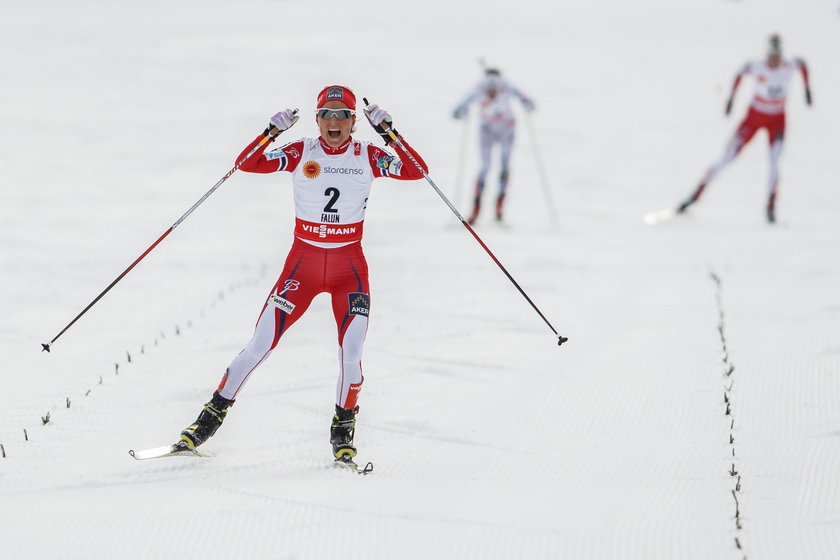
(552, 211)
(268, 139)
(396, 139)
(459, 172)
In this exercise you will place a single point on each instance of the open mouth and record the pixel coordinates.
(334, 133)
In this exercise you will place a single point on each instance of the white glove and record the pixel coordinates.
(284, 119)
(376, 115)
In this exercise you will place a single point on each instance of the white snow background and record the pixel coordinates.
(685, 418)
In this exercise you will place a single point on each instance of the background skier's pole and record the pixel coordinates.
(462, 163)
(535, 149)
(263, 142)
(396, 140)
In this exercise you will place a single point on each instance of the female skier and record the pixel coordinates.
(331, 178)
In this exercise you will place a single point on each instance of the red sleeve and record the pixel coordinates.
(735, 85)
(285, 158)
(746, 69)
(383, 164)
(803, 69)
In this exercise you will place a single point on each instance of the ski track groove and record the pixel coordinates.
(728, 385)
(70, 425)
(786, 401)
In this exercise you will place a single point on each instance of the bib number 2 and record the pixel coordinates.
(333, 193)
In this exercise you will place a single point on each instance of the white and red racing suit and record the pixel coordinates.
(767, 110)
(497, 126)
(331, 189)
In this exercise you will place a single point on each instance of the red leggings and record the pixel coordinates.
(755, 121)
(308, 271)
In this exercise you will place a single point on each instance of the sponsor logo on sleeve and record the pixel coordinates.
(282, 153)
(384, 162)
(275, 154)
(359, 304)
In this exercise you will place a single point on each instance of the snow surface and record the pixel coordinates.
(489, 441)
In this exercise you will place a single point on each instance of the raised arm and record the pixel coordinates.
(746, 69)
(461, 109)
(803, 69)
(527, 103)
(384, 164)
(284, 158)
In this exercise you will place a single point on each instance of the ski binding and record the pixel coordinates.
(347, 462)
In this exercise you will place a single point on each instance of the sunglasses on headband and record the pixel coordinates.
(340, 114)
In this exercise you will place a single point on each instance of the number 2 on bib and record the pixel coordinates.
(333, 193)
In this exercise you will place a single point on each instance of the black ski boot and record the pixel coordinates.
(692, 199)
(684, 206)
(771, 209)
(341, 432)
(208, 421)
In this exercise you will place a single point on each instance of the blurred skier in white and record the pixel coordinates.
(767, 110)
(496, 126)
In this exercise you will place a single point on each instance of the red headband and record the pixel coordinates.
(337, 93)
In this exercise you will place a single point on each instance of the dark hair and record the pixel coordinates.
(775, 44)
